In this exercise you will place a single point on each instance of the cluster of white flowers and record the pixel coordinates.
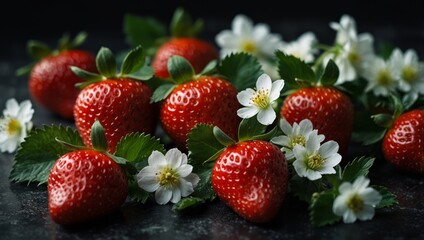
(15, 124)
(352, 52)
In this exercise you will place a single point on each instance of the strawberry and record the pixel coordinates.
(403, 144)
(197, 99)
(329, 110)
(198, 52)
(185, 43)
(119, 101)
(51, 81)
(252, 178)
(84, 185)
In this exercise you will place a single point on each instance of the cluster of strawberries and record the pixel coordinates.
(251, 176)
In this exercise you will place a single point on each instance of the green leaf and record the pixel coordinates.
(182, 25)
(38, 153)
(294, 70)
(133, 61)
(275, 131)
(202, 144)
(409, 100)
(38, 50)
(210, 68)
(106, 63)
(368, 138)
(321, 209)
(388, 198)
(222, 137)
(88, 76)
(241, 69)
(331, 73)
(188, 203)
(137, 147)
(25, 70)
(357, 167)
(250, 127)
(136, 193)
(303, 188)
(204, 188)
(162, 92)
(71, 147)
(64, 42)
(78, 40)
(143, 31)
(98, 137)
(180, 69)
(397, 105)
(144, 73)
(383, 120)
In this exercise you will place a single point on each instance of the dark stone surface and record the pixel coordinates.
(24, 212)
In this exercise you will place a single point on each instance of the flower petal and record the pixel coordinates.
(184, 170)
(313, 175)
(366, 213)
(174, 158)
(276, 88)
(339, 205)
(281, 140)
(312, 143)
(193, 179)
(244, 97)
(176, 195)
(267, 116)
(285, 126)
(226, 39)
(345, 187)
(156, 159)
(349, 216)
(247, 112)
(332, 161)
(186, 187)
(12, 108)
(242, 25)
(264, 82)
(25, 112)
(260, 32)
(305, 127)
(148, 183)
(162, 196)
(360, 183)
(370, 196)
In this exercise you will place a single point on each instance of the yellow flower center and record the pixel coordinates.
(298, 139)
(13, 127)
(355, 203)
(314, 161)
(410, 74)
(354, 57)
(168, 177)
(384, 78)
(248, 46)
(261, 99)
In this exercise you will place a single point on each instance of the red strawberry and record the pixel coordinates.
(85, 185)
(329, 110)
(118, 100)
(206, 99)
(52, 83)
(196, 51)
(251, 177)
(121, 105)
(403, 144)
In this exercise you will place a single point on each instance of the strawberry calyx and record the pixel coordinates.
(182, 25)
(39, 50)
(132, 67)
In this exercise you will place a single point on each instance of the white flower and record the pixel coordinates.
(356, 200)
(411, 71)
(354, 52)
(169, 176)
(313, 160)
(245, 37)
(302, 48)
(294, 135)
(260, 101)
(382, 76)
(15, 124)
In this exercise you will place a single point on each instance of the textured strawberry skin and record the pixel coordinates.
(252, 178)
(208, 100)
(121, 105)
(197, 52)
(329, 110)
(52, 82)
(85, 185)
(403, 144)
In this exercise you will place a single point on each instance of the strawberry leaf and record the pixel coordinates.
(162, 92)
(357, 167)
(78, 40)
(137, 147)
(388, 198)
(63, 42)
(106, 63)
(321, 209)
(38, 153)
(180, 69)
(210, 68)
(189, 202)
(331, 73)
(143, 31)
(222, 137)
(136, 193)
(241, 69)
(133, 61)
(202, 144)
(88, 76)
(294, 70)
(183, 26)
(383, 120)
(98, 136)
(38, 50)
(409, 100)
(204, 188)
(250, 127)
(144, 73)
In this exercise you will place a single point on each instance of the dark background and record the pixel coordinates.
(388, 21)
